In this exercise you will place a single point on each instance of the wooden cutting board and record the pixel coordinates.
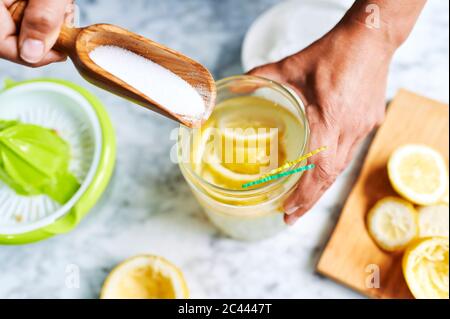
(351, 256)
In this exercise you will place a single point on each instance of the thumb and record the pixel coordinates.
(40, 28)
(271, 71)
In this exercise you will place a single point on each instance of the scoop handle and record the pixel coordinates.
(67, 38)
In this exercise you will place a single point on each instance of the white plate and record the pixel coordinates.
(57, 107)
(288, 28)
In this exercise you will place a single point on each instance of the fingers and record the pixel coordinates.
(40, 29)
(314, 183)
(51, 57)
(7, 26)
(8, 3)
(9, 51)
(329, 165)
(8, 40)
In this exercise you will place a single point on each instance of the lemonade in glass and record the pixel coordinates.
(256, 126)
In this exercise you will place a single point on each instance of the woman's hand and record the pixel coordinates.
(39, 31)
(342, 80)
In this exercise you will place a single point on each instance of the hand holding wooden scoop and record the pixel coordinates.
(77, 43)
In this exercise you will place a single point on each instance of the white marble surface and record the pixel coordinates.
(148, 207)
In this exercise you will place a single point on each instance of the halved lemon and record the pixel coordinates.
(145, 277)
(433, 221)
(425, 267)
(392, 223)
(418, 173)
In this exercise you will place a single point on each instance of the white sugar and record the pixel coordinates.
(151, 79)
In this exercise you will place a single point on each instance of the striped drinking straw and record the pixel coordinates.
(277, 173)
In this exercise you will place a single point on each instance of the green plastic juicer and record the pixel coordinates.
(82, 121)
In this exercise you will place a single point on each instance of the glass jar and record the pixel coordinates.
(254, 213)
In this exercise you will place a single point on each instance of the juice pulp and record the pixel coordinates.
(245, 138)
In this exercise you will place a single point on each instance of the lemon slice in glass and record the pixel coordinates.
(418, 173)
(433, 221)
(145, 277)
(425, 267)
(392, 223)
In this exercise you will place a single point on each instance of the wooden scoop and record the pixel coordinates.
(77, 43)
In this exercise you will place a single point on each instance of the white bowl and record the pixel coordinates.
(288, 28)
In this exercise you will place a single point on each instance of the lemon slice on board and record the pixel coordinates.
(425, 267)
(418, 173)
(392, 223)
(145, 277)
(434, 221)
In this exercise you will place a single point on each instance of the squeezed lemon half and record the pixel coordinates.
(145, 277)
(419, 174)
(392, 223)
(425, 267)
(434, 221)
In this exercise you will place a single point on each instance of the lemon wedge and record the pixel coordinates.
(433, 221)
(419, 174)
(425, 267)
(392, 223)
(145, 277)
